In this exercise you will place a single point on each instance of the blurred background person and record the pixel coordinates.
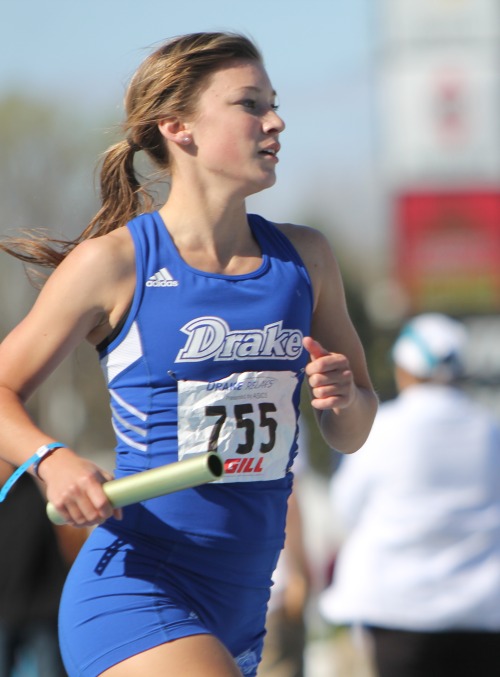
(420, 564)
(34, 560)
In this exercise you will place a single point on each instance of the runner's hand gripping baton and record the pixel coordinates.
(156, 482)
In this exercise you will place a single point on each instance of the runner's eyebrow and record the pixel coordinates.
(257, 89)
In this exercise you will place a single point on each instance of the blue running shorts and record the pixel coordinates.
(126, 594)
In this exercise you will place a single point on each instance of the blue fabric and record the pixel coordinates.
(144, 393)
(199, 560)
(126, 594)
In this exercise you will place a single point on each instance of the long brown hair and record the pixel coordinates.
(166, 84)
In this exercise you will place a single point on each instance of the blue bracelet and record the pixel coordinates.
(33, 460)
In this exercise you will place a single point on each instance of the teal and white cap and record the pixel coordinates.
(431, 345)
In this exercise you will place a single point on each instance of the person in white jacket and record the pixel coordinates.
(420, 502)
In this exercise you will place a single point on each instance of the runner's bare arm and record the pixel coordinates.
(81, 300)
(342, 394)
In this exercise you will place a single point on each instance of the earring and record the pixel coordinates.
(186, 140)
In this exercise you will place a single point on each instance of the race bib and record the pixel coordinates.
(249, 419)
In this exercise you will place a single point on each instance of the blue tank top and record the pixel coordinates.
(206, 360)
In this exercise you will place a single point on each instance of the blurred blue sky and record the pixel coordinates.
(319, 55)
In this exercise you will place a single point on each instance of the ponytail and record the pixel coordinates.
(122, 195)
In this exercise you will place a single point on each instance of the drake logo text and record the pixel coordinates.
(211, 338)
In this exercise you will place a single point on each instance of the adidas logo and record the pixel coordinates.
(162, 279)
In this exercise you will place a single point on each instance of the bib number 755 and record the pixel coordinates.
(244, 421)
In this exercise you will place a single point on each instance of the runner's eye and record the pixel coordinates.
(258, 107)
(249, 103)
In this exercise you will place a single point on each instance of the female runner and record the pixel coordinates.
(205, 319)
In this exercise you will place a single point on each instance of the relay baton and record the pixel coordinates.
(156, 482)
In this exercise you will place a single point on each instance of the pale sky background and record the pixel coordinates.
(320, 55)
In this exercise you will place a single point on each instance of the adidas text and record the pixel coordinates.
(162, 283)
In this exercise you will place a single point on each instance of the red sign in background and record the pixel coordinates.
(448, 250)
